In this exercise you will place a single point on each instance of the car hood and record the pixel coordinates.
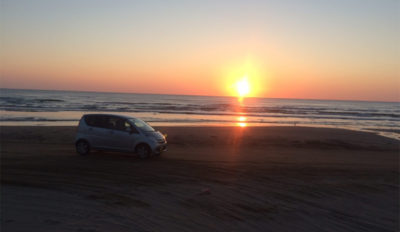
(156, 134)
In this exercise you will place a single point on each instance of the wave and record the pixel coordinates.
(22, 100)
(212, 110)
(36, 119)
(53, 101)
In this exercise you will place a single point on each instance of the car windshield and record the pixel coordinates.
(140, 124)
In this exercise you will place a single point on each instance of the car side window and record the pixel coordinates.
(101, 121)
(112, 123)
(116, 123)
(89, 119)
(94, 120)
(133, 129)
(122, 125)
(126, 126)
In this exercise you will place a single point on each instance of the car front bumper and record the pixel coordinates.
(160, 148)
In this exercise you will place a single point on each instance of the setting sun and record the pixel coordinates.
(243, 87)
(245, 78)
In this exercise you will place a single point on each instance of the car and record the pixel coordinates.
(118, 133)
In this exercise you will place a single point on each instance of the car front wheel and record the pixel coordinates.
(143, 151)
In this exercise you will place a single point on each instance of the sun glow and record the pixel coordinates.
(244, 79)
(243, 87)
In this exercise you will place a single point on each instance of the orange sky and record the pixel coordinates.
(336, 51)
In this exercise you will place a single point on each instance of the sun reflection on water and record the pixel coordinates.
(241, 121)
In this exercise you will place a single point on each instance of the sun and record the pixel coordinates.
(243, 87)
(244, 80)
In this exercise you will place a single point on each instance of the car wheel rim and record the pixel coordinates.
(142, 152)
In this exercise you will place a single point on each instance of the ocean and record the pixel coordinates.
(64, 108)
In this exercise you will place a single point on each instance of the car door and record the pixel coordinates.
(97, 131)
(122, 136)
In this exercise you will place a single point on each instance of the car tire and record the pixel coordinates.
(143, 151)
(82, 147)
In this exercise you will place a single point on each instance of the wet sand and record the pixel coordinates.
(211, 179)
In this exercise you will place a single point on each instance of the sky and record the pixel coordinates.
(310, 49)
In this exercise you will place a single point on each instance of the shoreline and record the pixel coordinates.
(387, 133)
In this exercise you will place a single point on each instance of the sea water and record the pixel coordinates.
(49, 107)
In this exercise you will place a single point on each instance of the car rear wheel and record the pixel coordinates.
(143, 150)
(82, 147)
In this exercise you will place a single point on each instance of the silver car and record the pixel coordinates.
(118, 133)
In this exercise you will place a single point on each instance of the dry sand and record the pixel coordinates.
(211, 179)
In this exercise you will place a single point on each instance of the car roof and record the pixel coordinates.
(115, 115)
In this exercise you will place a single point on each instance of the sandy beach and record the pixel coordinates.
(210, 179)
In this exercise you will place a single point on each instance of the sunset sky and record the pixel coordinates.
(286, 49)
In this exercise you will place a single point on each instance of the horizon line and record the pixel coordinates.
(199, 95)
